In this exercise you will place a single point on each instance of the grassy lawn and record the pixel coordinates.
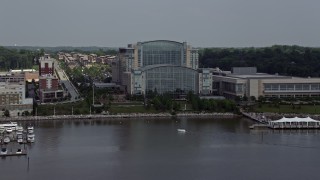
(131, 109)
(82, 108)
(126, 103)
(36, 67)
(63, 109)
(305, 109)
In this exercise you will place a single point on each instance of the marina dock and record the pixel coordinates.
(13, 154)
(13, 138)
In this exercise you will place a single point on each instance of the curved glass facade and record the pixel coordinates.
(161, 52)
(171, 78)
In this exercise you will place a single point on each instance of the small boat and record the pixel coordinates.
(19, 151)
(20, 140)
(30, 138)
(20, 128)
(30, 129)
(14, 125)
(181, 130)
(6, 139)
(19, 137)
(2, 129)
(4, 151)
(9, 129)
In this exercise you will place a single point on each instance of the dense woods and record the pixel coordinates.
(285, 60)
(17, 59)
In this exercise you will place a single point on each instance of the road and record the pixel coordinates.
(64, 79)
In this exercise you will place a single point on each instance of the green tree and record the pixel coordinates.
(6, 113)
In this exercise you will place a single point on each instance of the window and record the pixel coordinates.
(267, 87)
(290, 87)
(314, 86)
(275, 87)
(306, 87)
(298, 87)
(283, 87)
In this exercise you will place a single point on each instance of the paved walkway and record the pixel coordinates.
(118, 116)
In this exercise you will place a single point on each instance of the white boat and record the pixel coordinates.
(20, 128)
(14, 125)
(20, 140)
(19, 137)
(181, 130)
(19, 151)
(30, 138)
(9, 129)
(6, 139)
(30, 129)
(11, 126)
(3, 151)
(2, 129)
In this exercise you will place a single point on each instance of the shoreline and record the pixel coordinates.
(265, 117)
(118, 116)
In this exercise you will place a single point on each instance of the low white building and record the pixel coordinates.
(245, 81)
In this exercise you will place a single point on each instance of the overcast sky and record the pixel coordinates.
(202, 23)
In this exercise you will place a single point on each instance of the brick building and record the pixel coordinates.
(46, 65)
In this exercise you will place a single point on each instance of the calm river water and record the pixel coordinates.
(153, 149)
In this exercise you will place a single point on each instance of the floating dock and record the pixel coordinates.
(13, 154)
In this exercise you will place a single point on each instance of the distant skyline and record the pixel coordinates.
(202, 23)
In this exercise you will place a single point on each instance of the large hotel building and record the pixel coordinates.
(162, 66)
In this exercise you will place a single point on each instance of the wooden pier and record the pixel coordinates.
(13, 154)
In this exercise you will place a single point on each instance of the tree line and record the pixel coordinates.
(18, 59)
(285, 60)
(167, 102)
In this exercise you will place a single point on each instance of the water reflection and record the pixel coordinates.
(153, 149)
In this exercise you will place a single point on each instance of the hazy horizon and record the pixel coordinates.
(204, 23)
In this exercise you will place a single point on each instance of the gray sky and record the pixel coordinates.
(202, 23)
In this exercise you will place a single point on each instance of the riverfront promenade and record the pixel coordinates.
(118, 116)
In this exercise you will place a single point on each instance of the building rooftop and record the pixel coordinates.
(257, 76)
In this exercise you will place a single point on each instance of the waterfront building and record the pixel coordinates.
(12, 77)
(245, 81)
(49, 87)
(161, 65)
(205, 81)
(13, 98)
(46, 65)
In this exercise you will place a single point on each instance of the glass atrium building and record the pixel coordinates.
(164, 66)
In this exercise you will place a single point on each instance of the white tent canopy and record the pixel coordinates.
(295, 120)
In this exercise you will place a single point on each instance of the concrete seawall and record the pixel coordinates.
(119, 116)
